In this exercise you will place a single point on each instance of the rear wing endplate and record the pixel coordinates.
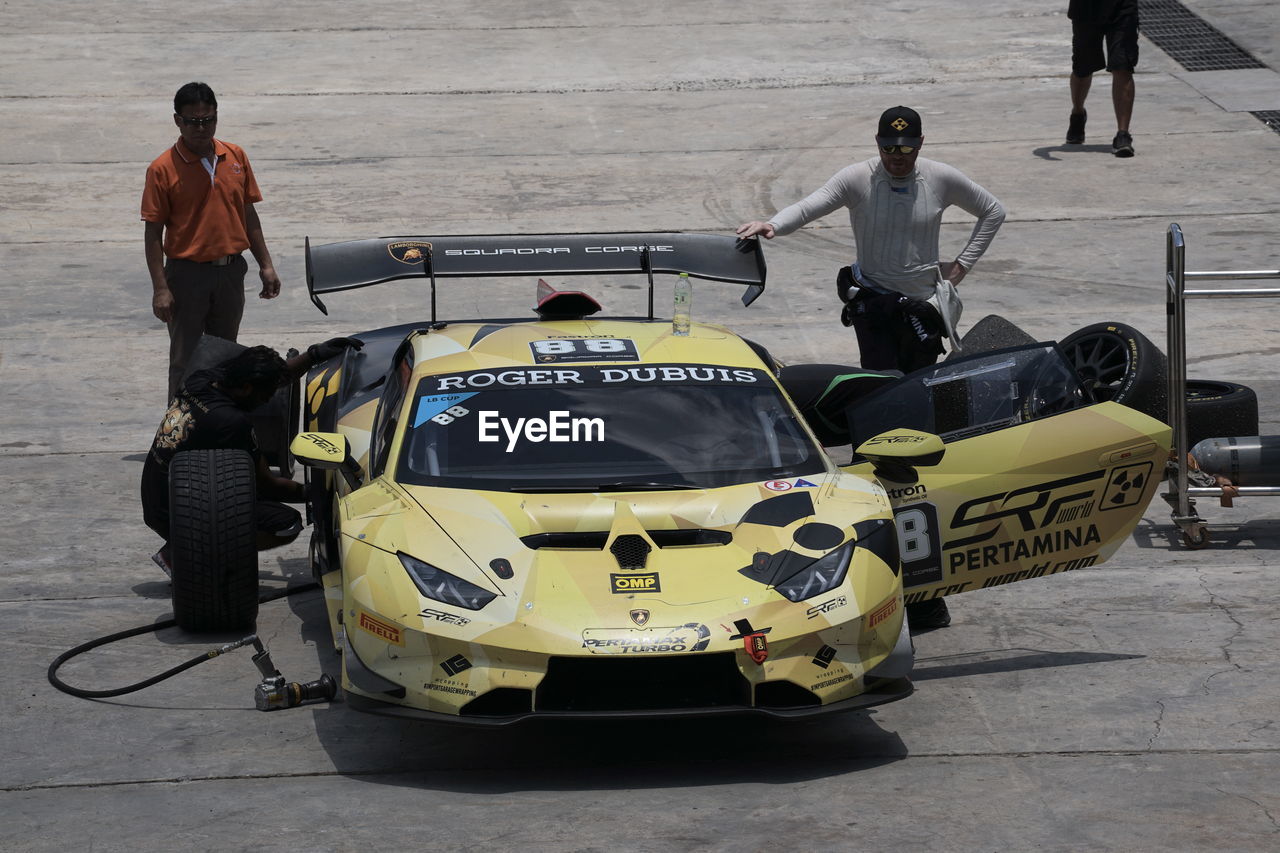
(361, 263)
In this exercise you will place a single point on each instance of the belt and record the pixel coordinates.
(223, 261)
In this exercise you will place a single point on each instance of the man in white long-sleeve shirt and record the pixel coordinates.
(895, 204)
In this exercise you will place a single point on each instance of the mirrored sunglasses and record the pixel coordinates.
(897, 149)
(200, 121)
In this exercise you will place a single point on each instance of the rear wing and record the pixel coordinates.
(361, 263)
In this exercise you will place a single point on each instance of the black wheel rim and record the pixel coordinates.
(1102, 362)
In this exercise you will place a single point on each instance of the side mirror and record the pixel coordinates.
(329, 450)
(896, 454)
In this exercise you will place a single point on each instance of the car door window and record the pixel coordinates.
(974, 395)
(389, 406)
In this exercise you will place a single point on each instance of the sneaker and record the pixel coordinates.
(1122, 145)
(928, 615)
(1075, 130)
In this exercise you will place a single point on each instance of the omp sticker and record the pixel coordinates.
(384, 631)
(646, 582)
(430, 407)
(805, 484)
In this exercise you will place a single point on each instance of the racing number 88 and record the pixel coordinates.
(589, 345)
(450, 414)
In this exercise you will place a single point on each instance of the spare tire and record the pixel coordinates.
(992, 332)
(212, 540)
(1119, 363)
(1219, 410)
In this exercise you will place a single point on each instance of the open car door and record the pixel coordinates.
(1036, 478)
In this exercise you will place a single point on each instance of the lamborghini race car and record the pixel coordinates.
(563, 515)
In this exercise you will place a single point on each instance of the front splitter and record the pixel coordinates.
(889, 691)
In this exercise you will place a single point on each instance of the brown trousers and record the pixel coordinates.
(207, 299)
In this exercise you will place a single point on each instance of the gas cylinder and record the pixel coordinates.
(1249, 460)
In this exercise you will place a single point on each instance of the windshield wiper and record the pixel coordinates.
(601, 487)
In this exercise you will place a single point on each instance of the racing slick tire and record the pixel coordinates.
(992, 332)
(212, 540)
(1119, 363)
(1219, 409)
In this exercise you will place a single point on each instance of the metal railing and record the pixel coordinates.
(1194, 528)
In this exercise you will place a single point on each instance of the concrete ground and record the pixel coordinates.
(1131, 706)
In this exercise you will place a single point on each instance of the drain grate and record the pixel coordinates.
(1271, 118)
(1196, 45)
(1189, 39)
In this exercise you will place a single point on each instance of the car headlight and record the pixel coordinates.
(822, 575)
(443, 587)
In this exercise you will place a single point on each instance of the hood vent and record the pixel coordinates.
(631, 551)
(590, 541)
(595, 540)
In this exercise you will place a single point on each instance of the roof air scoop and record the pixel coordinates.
(563, 304)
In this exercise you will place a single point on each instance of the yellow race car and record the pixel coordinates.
(567, 516)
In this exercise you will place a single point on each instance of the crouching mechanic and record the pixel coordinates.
(211, 412)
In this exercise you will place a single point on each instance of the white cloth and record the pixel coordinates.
(947, 301)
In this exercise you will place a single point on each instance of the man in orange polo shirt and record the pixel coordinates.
(198, 208)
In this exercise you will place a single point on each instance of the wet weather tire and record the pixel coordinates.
(1219, 410)
(212, 540)
(1120, 364)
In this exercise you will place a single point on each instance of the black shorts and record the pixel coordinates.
(1118, 31)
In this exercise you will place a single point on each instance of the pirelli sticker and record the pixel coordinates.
(881, 613)
(384, 631)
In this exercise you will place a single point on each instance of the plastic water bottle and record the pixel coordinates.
(683, 303)
(1249, 460)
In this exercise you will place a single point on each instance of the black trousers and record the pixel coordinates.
(895, 332)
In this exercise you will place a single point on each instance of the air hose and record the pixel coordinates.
(272, 692)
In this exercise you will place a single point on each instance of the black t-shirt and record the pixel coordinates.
(200, 417)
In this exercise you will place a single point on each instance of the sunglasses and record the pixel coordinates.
(897, 149)
(198, 122)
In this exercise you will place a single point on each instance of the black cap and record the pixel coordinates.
(900, 126)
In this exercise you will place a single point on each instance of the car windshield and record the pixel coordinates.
(589, 428)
